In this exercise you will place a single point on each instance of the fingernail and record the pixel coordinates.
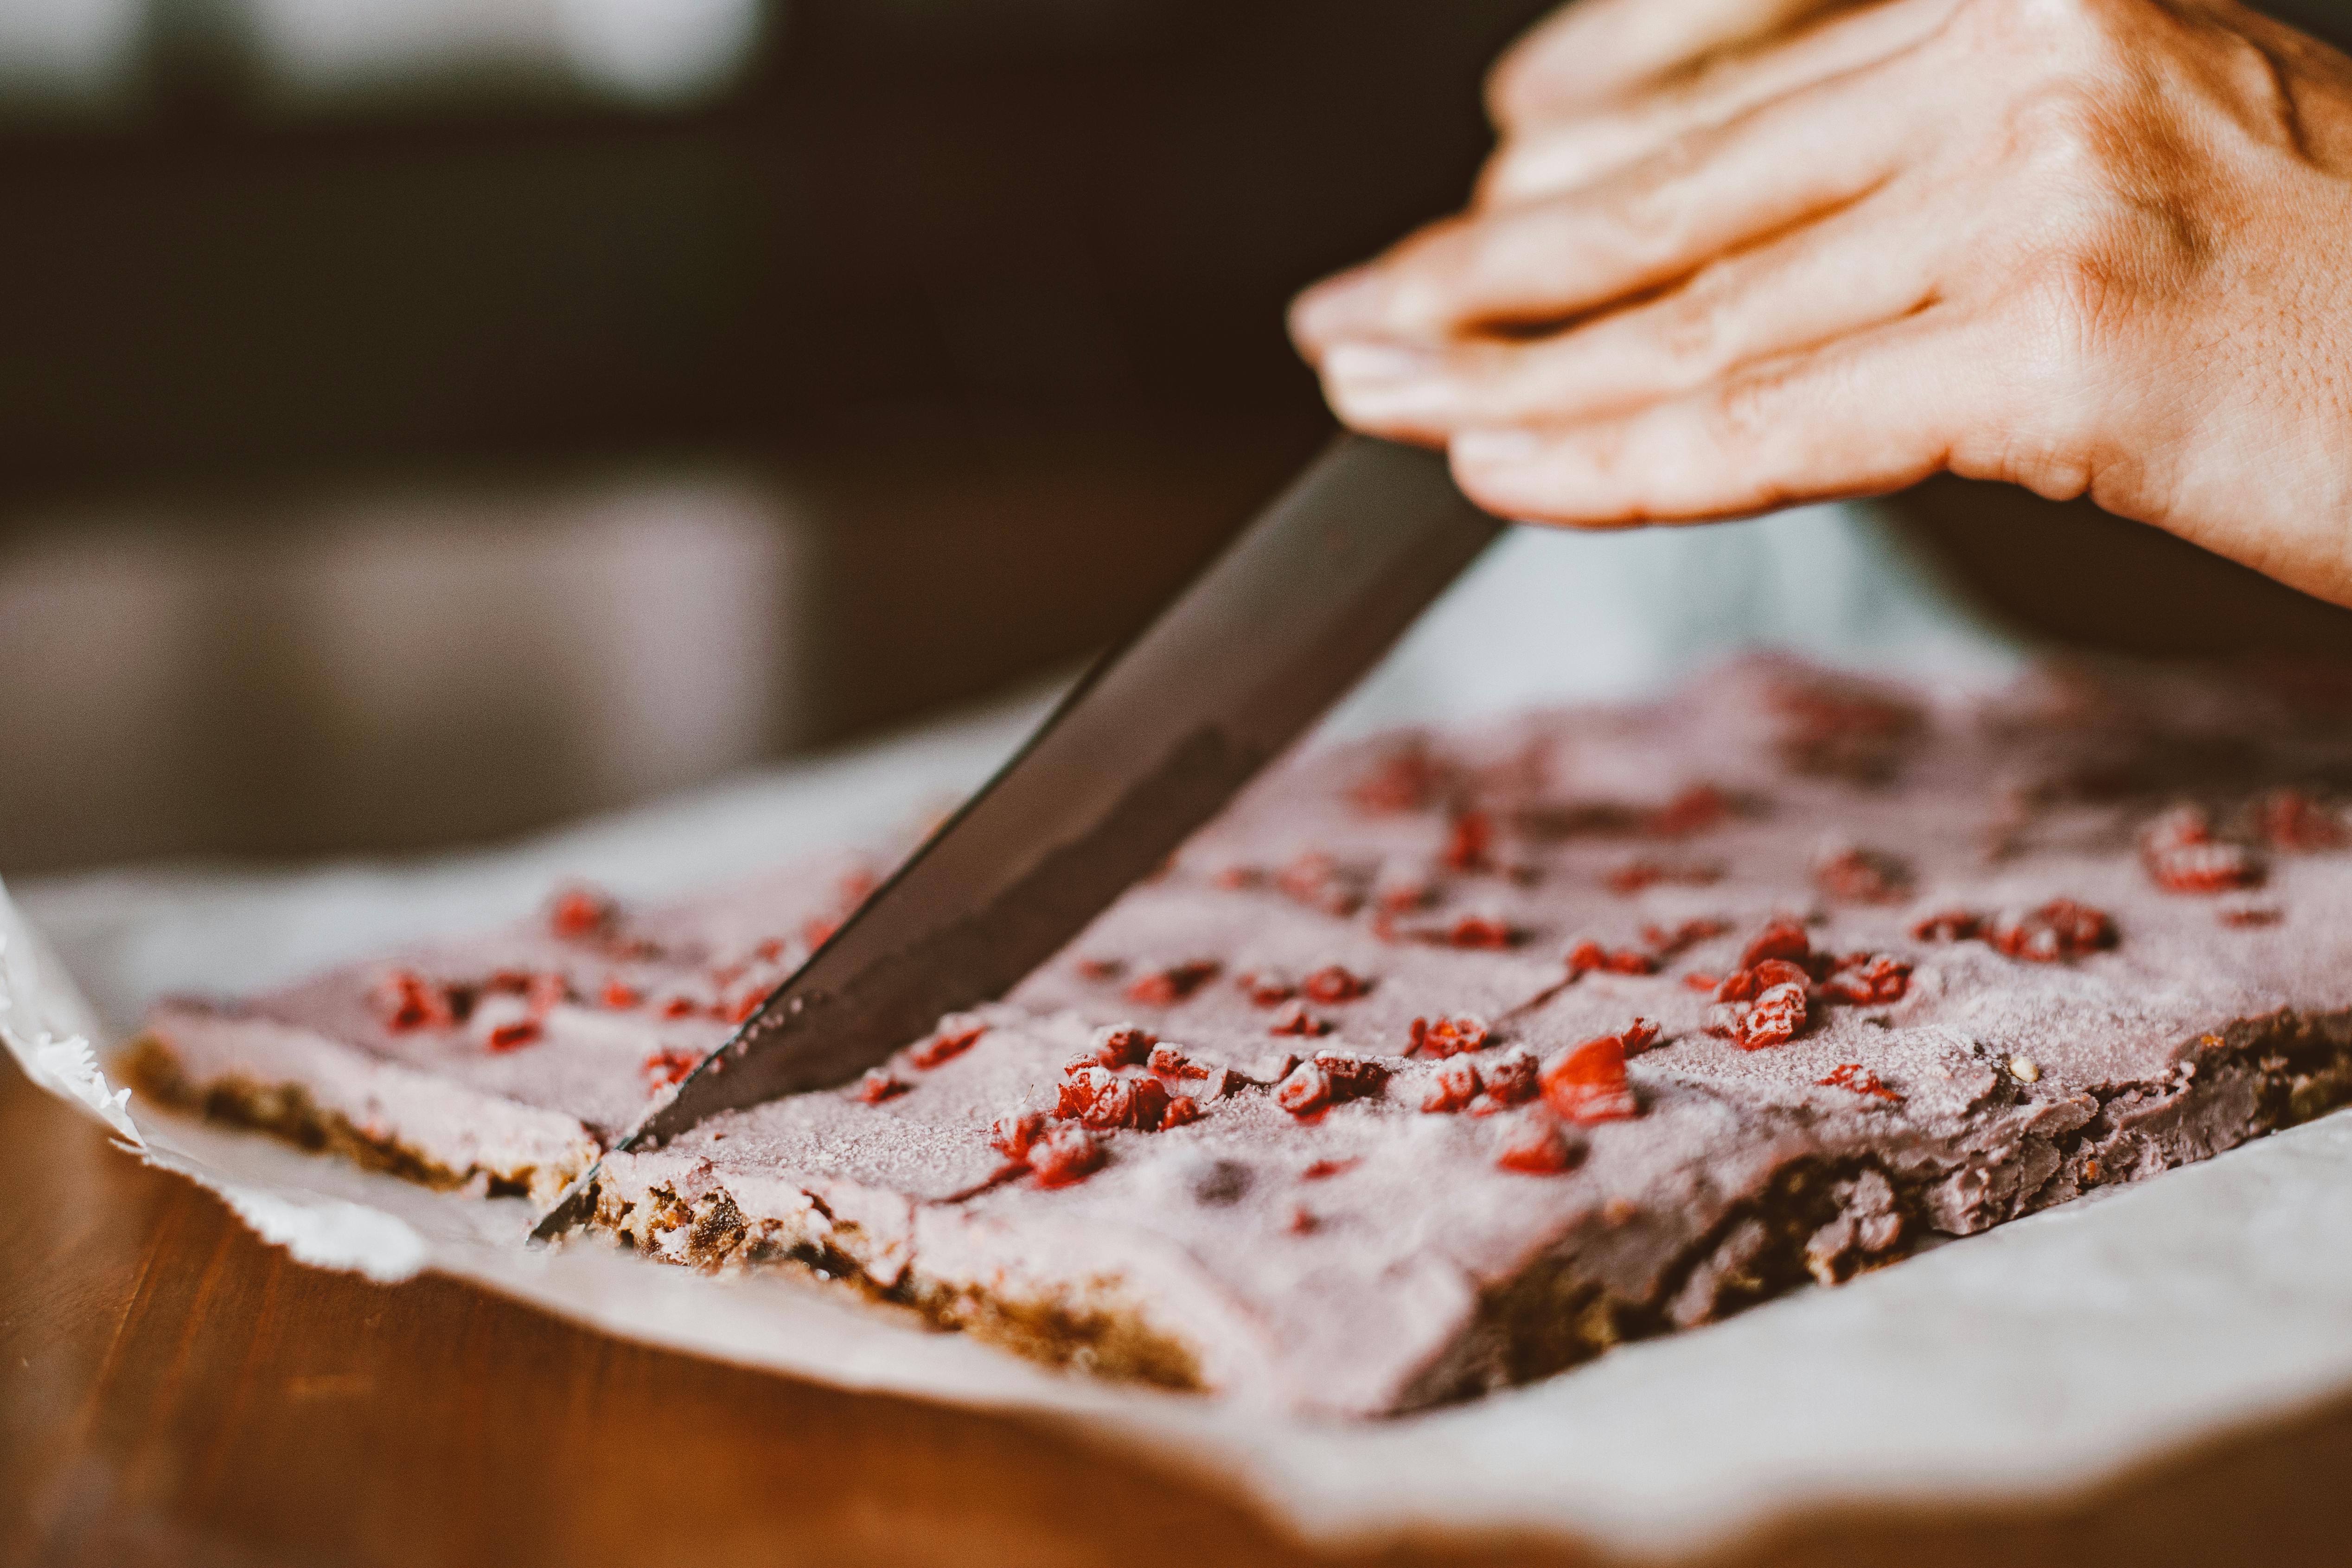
(1498, 448)
(1340, 304)
(1358, 360)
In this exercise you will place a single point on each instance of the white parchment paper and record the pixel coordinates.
(2014, 1367)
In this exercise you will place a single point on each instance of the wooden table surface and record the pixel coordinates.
(174, 1392)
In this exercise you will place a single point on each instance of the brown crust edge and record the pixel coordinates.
(287, 1111)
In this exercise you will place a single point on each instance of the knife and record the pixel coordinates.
(1148, 746)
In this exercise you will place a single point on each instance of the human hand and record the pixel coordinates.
(2084, 246)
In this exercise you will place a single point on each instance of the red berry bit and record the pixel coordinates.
(951, 1041)
(1351, 1077)
(1015, 1133)
(1447, 1037)
(514, 1036)
(1512, 1078)
(1945, 925)
(2058, 930)
(1265, 988)
(1403, 892)
(1535, 1146)
(1853, 1076)
(1331, 984)
(680, 1008)
(1863, 877)
(668, 1066)
(1123, 1046)
(1866, 979)
(1295, 1019)
(1639, 1035)
(1695, 810)
(1773, 1019)
(2290, 819)
(877, 1086)
(1748, 984)
(1782, 939)
(1588, 957)
(1167, 1061)
(546, 992)
(1469, 842)
(1064, 1156)
(2245, 916)
(1237, 879)
(1587, 1083)
(620, 995)
(1698, 981)
(1304, 1090)
(1166, 988)
(579, 914)
(1182, 1108)
(1081, 1081)
(2181, 855)
(1452, 1087)
(405, 1000)
(1479, 932)
(1100, 968)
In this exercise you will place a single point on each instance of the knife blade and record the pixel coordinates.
(1148, 746)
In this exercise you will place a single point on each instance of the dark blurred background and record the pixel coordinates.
(420, 420)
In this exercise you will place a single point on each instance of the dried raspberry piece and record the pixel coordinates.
(1147, 1102)
(1406, 780)
(619, 995)
(1123, 1046)
(1295, 1019)
(1453, 1086)
(1587, 1082)
(1015, 1133)
(1238, 879)
(1780, 972)
(1698, 981)
(1182, 1108)
(2181, 855)
(2291, 819)
(1695, 810)
(1083, 1081)
(1265, 988)
(1863, 876)
(1725, 1018)
(1865, 978)
(1350, 1077)
(1066, 1155)
(1166, 988)
(1447, 1037)
(1740, 986)
(1945, 925)
(817, 931)
(1114, 1104)
(1169, 1062)
(1332, 983)
(1860, 1080)
(1469, 842)
(877, 1086)
(1480, 932)
(1639, 1035)
(769, 951)
(1304, 1090)
(1511, 1078)
(1588, 956)
(405, 1000)
(951, 1041)
(2249, 915)
(514, 1036)
(680, 1007)
(740, 1009)
(1774, 1020)
(1535, 1146)
(668, 1066)
(1101, 968)
(1779, 939)
(2058, 929)
(580, 911)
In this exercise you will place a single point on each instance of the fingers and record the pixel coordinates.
(1559, 154)
(1868, 415)
(1593, 50)
(1659, 220)
(1856, 270)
